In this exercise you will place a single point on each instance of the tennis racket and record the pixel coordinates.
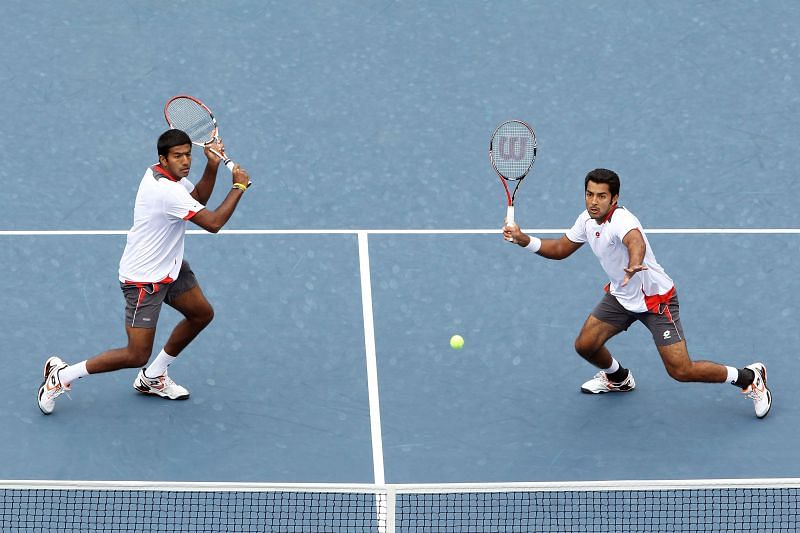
(189, 114)
(512, 151)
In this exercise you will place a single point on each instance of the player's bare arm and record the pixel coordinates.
(213, 221)
(636, 246)
(550, 248)
(203, 189)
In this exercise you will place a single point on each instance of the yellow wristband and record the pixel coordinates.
(241, 186)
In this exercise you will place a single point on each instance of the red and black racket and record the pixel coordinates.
(192, 116)
(512, 151)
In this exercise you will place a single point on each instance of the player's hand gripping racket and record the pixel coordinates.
(512, 151)
(189, 114)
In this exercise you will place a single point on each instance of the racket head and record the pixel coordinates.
(187, 113)
(512, 150)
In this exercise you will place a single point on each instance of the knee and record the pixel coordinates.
(584, 348)
(203, 316)
(208, 315)
(680, 372)
(137, 358)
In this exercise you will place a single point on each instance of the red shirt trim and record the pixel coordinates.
(610, 212)
(162, 170)
(655, 301)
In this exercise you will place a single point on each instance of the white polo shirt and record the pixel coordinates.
(605, 239)
(154, 250)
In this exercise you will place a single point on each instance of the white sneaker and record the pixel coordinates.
(160, 386)
(600, 384)
(51, 388)
(758, 390)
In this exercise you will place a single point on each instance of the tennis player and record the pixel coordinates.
(639, 289)
(152, 271)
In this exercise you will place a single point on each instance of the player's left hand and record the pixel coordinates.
(213, 150)
(630, 271)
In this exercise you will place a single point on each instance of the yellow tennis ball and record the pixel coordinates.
(456, 342)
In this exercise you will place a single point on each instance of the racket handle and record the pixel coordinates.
(225, 159)
(510, 218)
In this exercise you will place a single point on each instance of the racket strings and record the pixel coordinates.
(513, 150)
(186, 115)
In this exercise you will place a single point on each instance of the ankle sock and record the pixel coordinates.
(159, 365)
(619, 376)
(745, 377)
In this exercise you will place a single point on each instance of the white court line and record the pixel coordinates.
(679, 231)
(420, 488)
(372, 364)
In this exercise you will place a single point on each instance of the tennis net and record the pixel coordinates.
(651, 506)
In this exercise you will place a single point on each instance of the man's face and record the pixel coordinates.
(178, 160)
(599, 200)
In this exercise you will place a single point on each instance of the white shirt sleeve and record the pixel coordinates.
(624, 221)
(577, 233)
(188, 185)
(179, 204)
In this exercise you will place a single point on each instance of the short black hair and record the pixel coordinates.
(170, 139)
(603, 175)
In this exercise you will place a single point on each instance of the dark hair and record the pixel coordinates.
(603, 175)
(170, 139)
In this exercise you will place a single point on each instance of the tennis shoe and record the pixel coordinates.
(758, 390)
(51, 388)
(160, 386)
(600, 384)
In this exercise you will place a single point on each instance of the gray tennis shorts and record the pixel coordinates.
(143, 300)
(665, 325)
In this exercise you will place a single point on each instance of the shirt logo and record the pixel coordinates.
(666, 334)
(597, 234)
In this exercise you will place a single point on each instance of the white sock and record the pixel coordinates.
(159, 365)
(613, 368)
(72, 372)
(733, 374)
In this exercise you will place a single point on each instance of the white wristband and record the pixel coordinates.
(534, 245)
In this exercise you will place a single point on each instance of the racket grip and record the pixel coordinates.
(225, 159)
(510, 218)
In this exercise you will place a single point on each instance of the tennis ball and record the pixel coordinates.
(456, 342)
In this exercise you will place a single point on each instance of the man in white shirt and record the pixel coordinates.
(152, 271)
(638, 289)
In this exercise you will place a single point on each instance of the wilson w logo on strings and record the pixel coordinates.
(512, 148)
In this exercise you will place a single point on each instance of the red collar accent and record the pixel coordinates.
(162, 170)
(608, 215)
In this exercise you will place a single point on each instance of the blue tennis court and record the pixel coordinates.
(364, 126)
